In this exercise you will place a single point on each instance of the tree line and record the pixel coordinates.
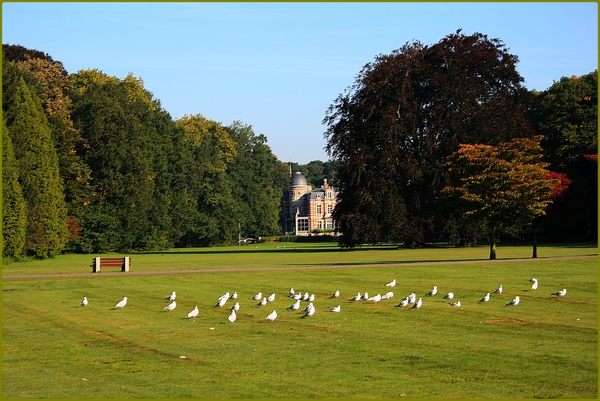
(93, 163)
(431, 142)
(444, 141)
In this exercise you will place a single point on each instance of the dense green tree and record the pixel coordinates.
(567, 115)
(14, 207)
(211, 151)
(46, 232)
(126, 149)
(406, 112)
(257, 182)
(504, 185)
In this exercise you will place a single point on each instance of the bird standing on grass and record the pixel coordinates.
(403, 303)
(335, 294)
(263, 302)
(498, 290)
(272, 316)
(388, 295)
(486, 298)
(376, 298)
(122, 303)
(171, 306)
(357, 297)
(418, 304)
(310, 310)
(449, 295)
(256, 297)
(534, 283)
(365, 296)
(271, 298)
(232, 317)
(222, 301)
(335, 308)
(433, 291)
(560, 293)
(193, 313)
(295, 305)
(236, 307)
(457, 303)
(84, 302)
(171, 297)
(234, 295)
(514, 302)
(391, 283)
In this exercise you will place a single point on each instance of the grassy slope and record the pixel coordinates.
(545, 347)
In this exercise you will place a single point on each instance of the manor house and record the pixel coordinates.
(305, 209)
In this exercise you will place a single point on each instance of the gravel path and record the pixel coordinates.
(307, 267)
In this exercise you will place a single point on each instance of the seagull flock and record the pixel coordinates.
(310, 309)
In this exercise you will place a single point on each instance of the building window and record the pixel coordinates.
(302, 225)
(329, 209)
(319, 224)
(329, 224)
(319, 211)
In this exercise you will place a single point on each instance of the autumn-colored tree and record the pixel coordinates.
(406, 112)
(503, 185)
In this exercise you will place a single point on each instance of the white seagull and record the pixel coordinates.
(224, 296)
(412, 298)
(236, 307)
(449, 295)
(388, 295)
(308, 307)
(310, 311)
(457, 303)
(222, 301)
(122, 303)
(171, 297)
(514, 302)
(263, 302)
(418, 304)
(561, 293)
(305, 297)
(365, 296)
(297, 296)
(433, 291)
(376, 298)
(272, 316)
(271, 298)
(534, 285)
(335, 294)
(193, 313)
(232, 317)
(356, 297)
(311, 298)
(335, 308)
(171, 306)
(295, 305)
(292, 292)
(84, 302)
(498, 290)
(234, 295)
(403, 303)
(256, 297)
(391, 283)
(486, 298)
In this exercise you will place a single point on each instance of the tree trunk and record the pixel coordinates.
(534, 234)
(493, 243)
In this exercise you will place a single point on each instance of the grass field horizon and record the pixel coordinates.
(545, 347)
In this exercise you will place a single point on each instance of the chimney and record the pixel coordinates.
(325, 185)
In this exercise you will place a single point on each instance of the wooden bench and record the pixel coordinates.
(123, 263)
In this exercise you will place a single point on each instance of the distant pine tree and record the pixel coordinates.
(30, 133)
(14, 208)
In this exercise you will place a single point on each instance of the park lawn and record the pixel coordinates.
(285, 255)
(545, 347)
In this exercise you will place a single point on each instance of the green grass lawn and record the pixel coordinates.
(545, 347)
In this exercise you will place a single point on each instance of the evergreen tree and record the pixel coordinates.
(14, 208)
(38, 171)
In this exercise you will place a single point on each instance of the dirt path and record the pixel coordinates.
(307, 267)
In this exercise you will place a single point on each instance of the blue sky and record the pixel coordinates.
(278, 66)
